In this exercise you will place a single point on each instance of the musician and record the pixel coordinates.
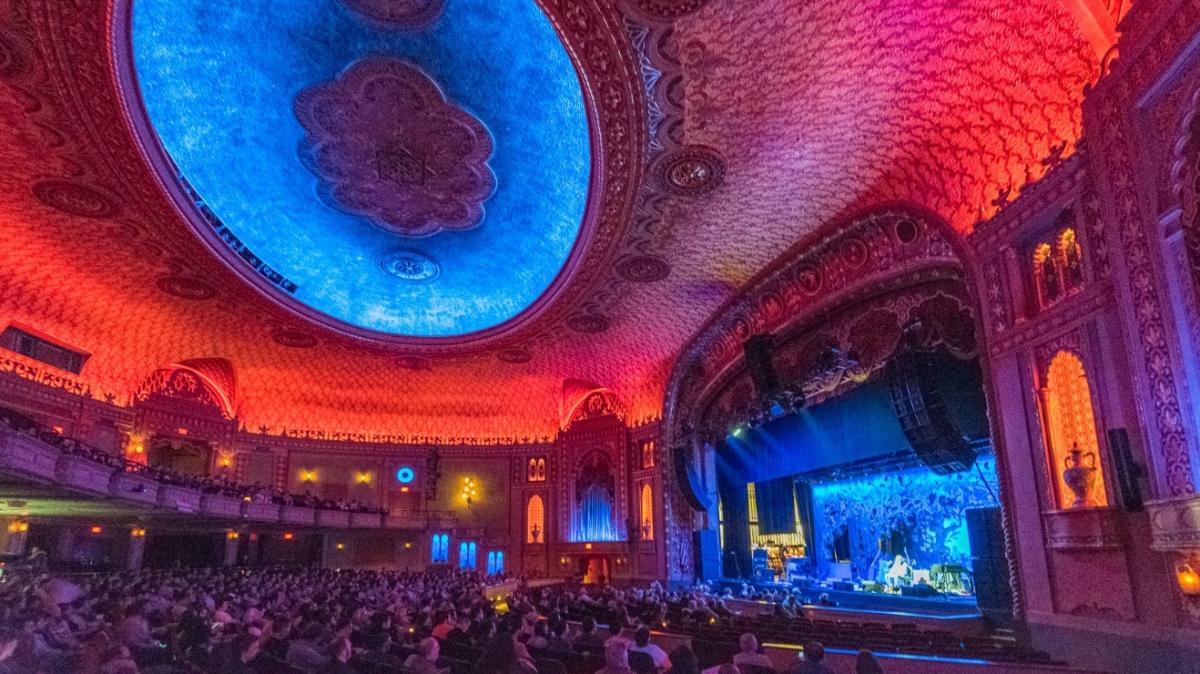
(899, 572)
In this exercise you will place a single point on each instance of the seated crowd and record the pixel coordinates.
(296, 621)
(208, 484)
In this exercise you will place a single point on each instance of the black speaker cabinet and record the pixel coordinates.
(925, 418)
(985, 533)
(1128, 471)
(760, 353)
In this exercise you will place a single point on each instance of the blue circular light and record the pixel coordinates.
(405, 475)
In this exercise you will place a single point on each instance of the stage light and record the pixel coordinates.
(405, 475)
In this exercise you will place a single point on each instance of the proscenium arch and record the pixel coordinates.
(680, 425)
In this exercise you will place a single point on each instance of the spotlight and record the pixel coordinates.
(740, 430)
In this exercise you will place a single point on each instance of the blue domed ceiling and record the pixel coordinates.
(409, 167)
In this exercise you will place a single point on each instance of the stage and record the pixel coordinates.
(943, 612)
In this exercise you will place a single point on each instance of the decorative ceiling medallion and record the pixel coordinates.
(907, 230)
(855, 252)
(514, 355)
(398, 14)
(643, 268)
(75, 198)
(185, 288)
(415, 363)
(293, 339)
(386, 144)
(691, 171)
(668, 9)
(810, 278)
(588, 323)
(409, 265)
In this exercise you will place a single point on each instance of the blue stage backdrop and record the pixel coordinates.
(922, 509)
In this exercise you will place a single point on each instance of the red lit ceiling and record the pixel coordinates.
(811, 110)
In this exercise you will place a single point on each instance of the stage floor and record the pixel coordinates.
(944, 612)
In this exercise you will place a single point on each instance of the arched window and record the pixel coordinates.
(495, 562)
(647, 513)
(466, 555)
(536, 470)
(648, 454)
(535, 520)
(1057, 263)
(440, 549)
(1071, 428)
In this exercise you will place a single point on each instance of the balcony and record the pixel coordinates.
(134, 487)
(76, 472)
(333, 519)
(303, 517)
(217, 505)
(26, 457)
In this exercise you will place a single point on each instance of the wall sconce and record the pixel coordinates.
(403, 490)
(407, 545)
(308, 476)
(181, 431)
(226, 460)
(137, 532)
(469, 490)
(340, 546)
(362, 478)
(587, 546)
(96, 529)
(1188, 579)
(287, 535)
(562, 561)
(231, 535)
(18, 527)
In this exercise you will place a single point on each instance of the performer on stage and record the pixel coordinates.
(899, 572)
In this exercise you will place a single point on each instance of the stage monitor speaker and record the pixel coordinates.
(689, 482)
(1129, 472)
(924, 416)
(760, 354)
(993, 585)
(985, 533)
(707, 551)
(919, 591)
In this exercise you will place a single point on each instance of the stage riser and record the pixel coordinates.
(843, 662)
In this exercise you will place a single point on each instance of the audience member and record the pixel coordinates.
(867, 663)
(424, 661)
(641, 644)
(749, 654)
(814, 654)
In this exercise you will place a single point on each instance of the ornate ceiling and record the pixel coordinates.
(723, 133)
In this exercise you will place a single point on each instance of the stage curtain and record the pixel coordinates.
(776, 512)
(804, 502)
(735, 553)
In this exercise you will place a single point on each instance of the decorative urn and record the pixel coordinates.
(1079, 474)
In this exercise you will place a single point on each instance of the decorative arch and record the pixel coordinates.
(861, 256)
(535, 520)
(1070, 425)
(202, 383)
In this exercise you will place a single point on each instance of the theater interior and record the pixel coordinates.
(402, 336)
